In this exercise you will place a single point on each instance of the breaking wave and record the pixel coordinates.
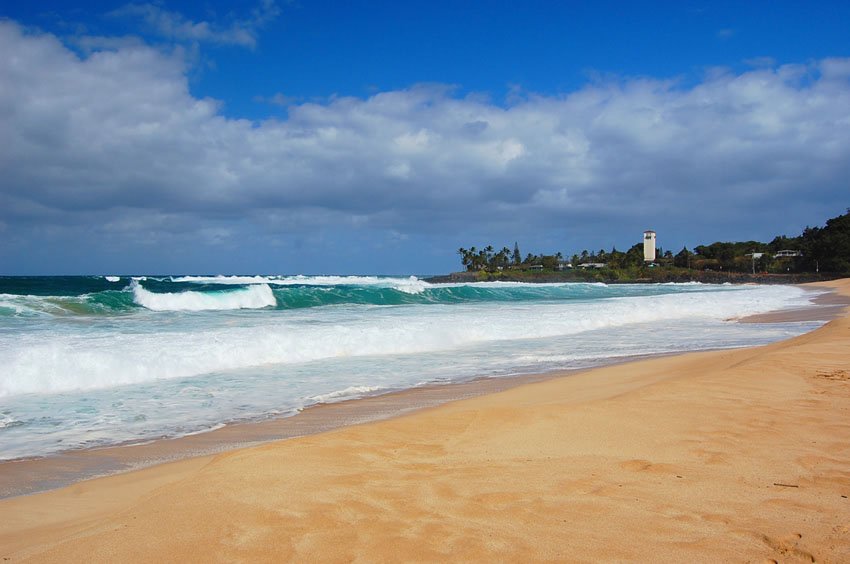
(96, 296)
(190, 346)
(410, 285)
(251, 297)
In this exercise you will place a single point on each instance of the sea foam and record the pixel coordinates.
(347, 393)
(94, 357)
(410, 285)
(7, 421)
(251, 297)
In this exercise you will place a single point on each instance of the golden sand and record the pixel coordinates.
(731, 455)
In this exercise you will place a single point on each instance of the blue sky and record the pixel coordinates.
(378, 137)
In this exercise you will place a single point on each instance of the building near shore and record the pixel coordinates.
(649, 245)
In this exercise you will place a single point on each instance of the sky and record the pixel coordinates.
(320, 137)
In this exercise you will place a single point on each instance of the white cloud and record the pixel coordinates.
(118, 133)
(174, 26)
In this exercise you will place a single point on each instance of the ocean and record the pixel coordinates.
(92, 361)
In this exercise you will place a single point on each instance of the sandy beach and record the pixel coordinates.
(739, 455)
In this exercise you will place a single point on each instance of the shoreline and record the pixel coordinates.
(731, 454)
(34, 475)
(825, 307)
(23, 477)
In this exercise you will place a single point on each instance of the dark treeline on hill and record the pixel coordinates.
(818, 252)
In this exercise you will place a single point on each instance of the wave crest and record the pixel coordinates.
(409, 285)
(252, 297)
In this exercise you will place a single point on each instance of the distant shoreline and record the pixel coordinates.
(653, 276)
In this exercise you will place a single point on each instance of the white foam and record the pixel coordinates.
(410, 285)
(12, 302)
(252, 297)
(348, 393)
(112, 278)
(35, 305)
(225, 279)
(8, 421)
(87, 357)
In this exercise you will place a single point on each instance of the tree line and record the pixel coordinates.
(817, 249)
(490, 260)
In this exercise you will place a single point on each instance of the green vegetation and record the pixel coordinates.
(817, 251)
(487, 259)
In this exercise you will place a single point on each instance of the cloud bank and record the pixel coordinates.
(116, 138)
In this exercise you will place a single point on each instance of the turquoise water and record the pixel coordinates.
(92, 361)
(98, 296)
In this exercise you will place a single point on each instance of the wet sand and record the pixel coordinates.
(33, 475)
(740, 455)
(826, 307)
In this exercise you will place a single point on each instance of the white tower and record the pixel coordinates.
(649, 246)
